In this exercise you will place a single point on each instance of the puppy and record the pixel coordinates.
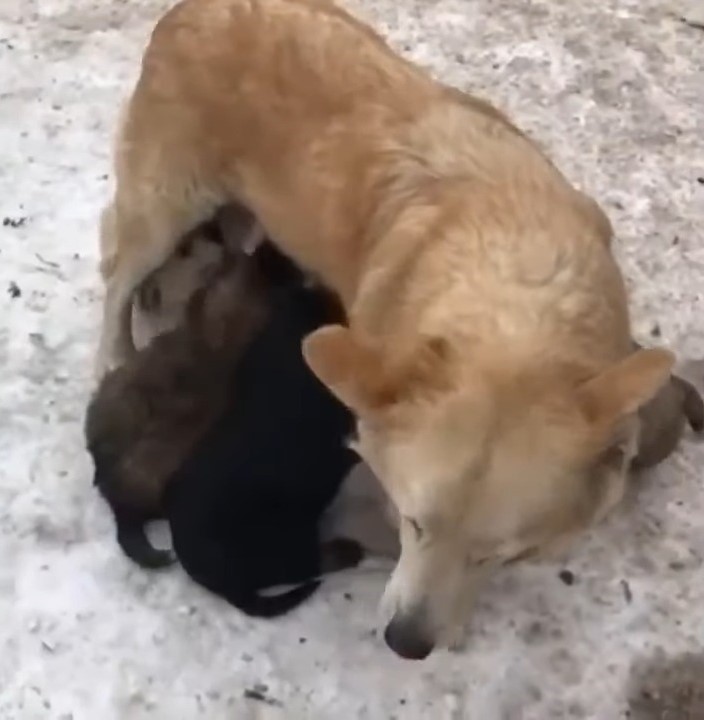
(162, 299)
(146, 415)
(161, 302)
(245, 507)
(488, 355)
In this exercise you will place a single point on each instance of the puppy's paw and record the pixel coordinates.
(340, 554)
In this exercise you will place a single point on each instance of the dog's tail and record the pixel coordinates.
(693, 404)
(131, 535)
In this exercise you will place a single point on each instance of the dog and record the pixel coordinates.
(487, 356)
(245, 508)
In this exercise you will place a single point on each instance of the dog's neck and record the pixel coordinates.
(387, 296)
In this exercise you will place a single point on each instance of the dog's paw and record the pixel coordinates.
(340, 554)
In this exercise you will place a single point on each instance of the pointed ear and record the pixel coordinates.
(625, 387)
(354, 369)
(349, 367)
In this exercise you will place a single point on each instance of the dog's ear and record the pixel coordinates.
(352, 369)
(625, 387)
(356, 372)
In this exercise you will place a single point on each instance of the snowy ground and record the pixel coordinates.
(614, 89)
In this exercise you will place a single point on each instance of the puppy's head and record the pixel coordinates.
(484, 466)
(162, 299)
(192, 266)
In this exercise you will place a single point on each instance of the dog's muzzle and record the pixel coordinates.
(409, 635)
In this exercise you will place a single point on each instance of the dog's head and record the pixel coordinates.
(483, 467)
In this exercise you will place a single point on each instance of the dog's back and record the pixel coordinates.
(244, 509)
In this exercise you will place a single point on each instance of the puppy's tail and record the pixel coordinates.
(131, 535)
(270, 606)
(134, 542)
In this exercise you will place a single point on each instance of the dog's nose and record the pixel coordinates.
(408, 638)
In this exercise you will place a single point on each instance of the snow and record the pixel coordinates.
(611, 89)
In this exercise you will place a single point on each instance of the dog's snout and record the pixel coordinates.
(409, 637)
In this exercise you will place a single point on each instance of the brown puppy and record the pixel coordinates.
(488, 354)
(147, 415)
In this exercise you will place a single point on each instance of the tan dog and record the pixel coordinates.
(488, 356)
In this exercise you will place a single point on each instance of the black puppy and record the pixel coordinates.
(245, 507)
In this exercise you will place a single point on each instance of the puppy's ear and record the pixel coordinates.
(625, 387)
(351, 368)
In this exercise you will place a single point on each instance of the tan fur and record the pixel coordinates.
(495, 396)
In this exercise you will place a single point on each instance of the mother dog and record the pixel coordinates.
(488, 354)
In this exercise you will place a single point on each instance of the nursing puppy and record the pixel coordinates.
(146, 416)
(488, 356)
(245, 503)
(161, 301)
(245, 508)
